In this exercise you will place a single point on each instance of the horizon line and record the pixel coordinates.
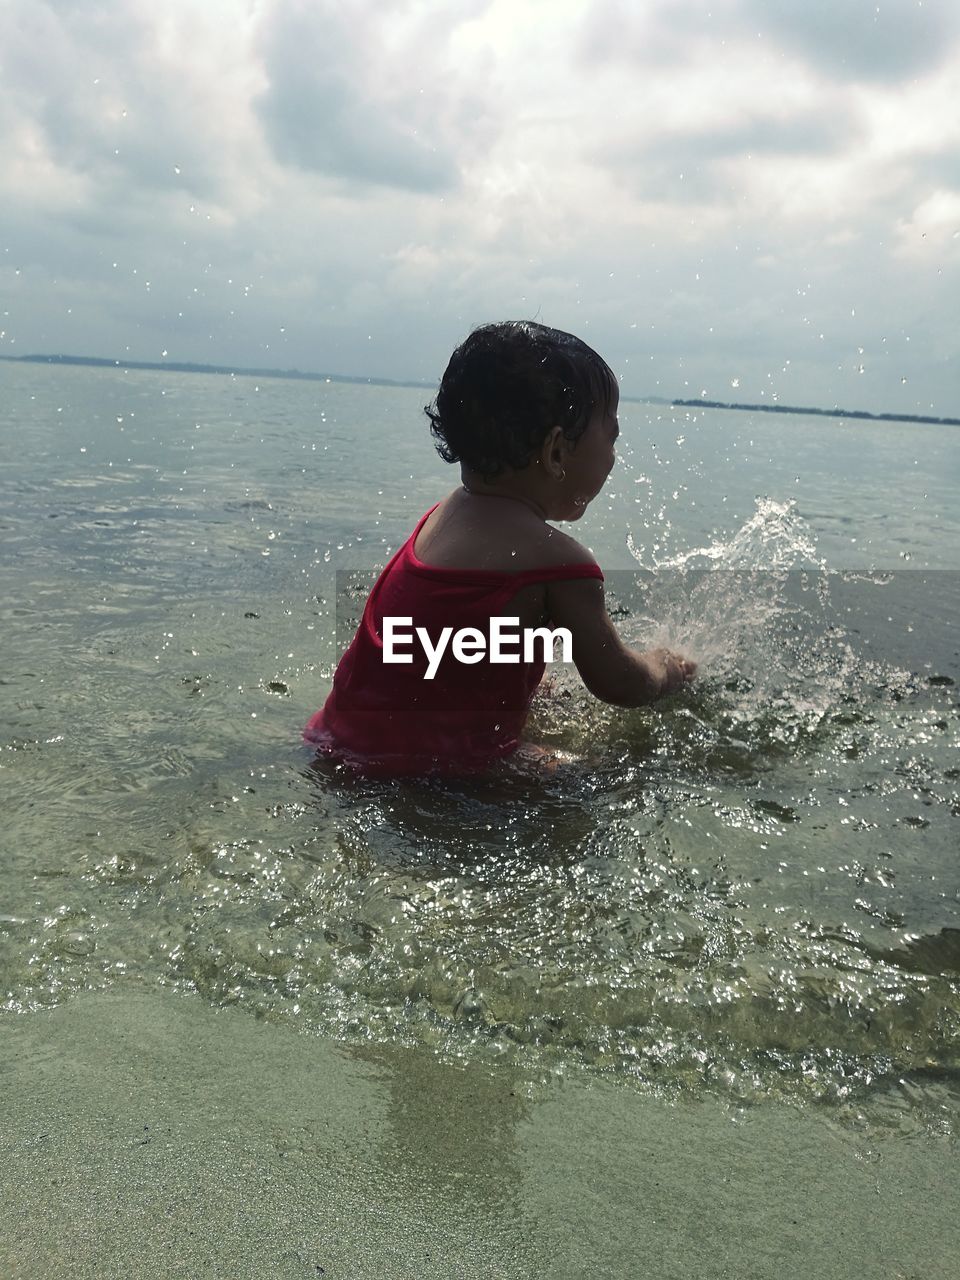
(182, 366)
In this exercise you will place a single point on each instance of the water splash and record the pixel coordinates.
(775, 537)
(754, 610)
(727, 603)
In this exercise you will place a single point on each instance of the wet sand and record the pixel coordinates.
(146, 1134)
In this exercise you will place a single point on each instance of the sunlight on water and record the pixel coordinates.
(749, 890)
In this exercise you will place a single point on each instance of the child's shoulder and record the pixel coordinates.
(558, 548)
(494, 533)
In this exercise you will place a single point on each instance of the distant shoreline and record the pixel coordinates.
(179, 366)
(822, 413)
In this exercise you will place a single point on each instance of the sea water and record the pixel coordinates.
(750, 890)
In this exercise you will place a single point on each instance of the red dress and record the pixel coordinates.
(387, 718)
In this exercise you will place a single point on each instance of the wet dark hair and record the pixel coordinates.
(506, 386)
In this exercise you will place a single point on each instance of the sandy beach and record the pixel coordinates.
(147, 1134)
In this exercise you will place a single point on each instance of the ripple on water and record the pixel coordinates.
(750, 890)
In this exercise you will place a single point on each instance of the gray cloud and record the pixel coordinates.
(107, 106)
(693, 165)
(860, 39)
(844, 40)
(324, 111)
(822, 132)
(940, 168)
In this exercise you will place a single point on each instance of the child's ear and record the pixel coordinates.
(553, 453)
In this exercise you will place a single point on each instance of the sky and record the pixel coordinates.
(747, 200)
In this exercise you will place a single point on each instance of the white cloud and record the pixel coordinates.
(936, 220)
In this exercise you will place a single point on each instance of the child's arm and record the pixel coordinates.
(610, 670)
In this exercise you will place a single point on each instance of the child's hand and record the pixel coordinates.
(610, 669)
(672, 670)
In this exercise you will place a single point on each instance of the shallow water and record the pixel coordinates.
(751, 890)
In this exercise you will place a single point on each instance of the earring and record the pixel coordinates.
(563, 475)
